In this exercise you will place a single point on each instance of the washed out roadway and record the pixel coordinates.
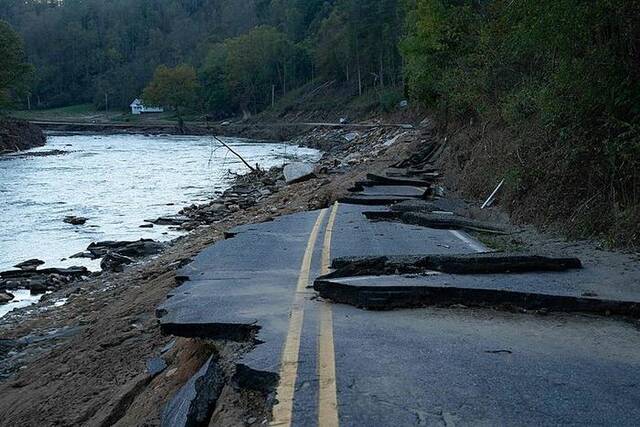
(342, 365)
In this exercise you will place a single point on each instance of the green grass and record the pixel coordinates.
(70, 111)
(499, 242)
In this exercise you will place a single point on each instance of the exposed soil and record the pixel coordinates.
(18, 135)
(544, 184)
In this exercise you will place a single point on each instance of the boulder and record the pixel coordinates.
(298, 172)
(5, 297)
(113, 261)
(29, 265)
(169, 220)
(134, 249)
(75, 220)
(351, 136)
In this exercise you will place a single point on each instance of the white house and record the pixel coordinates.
(137, 107)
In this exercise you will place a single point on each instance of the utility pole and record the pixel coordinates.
(273, 95)
(29, 101)
(106, 102)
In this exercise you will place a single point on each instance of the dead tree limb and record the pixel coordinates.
(236, 154)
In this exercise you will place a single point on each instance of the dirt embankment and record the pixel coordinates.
(18, 135)
(550, 184)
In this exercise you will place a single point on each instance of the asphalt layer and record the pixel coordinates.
(427, 366)
(247, 282)
(478, 367)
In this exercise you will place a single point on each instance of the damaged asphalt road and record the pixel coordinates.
(321, 363)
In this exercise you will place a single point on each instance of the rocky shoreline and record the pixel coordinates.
(247, 191)
(19, 135)
(106, 324)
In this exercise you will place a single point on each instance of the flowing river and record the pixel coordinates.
(116, 181)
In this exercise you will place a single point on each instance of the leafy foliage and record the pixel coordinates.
(15, 73)
(173, 87)
(564, 75)
(86, 49)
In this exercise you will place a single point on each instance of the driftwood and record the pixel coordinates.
(235, 153)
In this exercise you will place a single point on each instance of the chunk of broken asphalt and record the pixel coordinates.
(484, 263)
(194, 403)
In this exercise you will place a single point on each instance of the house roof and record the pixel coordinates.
(136, 102)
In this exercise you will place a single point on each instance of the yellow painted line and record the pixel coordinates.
(283, 410)
(328, 396)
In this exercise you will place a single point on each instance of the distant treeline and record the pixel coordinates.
(94, 50)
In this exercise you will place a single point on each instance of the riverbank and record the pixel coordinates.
(19, 135)
(85, 362)
(101, 359)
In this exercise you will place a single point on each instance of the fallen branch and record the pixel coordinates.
(236, 154)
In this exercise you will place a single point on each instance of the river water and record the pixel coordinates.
(117, 181)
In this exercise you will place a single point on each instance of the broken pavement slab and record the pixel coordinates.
(390, 190)
(242, 288)
(452, 222)
(530, 292)
(481, 263)
(436, 219)
(375, 200)
(194, 403)
(395, 180)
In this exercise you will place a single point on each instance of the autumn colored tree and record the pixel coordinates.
(176, 88)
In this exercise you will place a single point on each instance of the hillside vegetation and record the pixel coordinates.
(544, 94)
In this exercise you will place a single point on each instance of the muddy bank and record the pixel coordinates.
(273, 132)
(18, 135)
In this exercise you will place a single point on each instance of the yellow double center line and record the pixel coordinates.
(327, 405)
(328, 400)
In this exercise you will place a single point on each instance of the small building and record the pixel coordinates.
(138, 107)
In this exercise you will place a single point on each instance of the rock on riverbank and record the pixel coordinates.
(18, 135)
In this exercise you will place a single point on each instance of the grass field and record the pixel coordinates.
(88, 113)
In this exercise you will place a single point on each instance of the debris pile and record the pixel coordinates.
(40, 281)
(248, 190)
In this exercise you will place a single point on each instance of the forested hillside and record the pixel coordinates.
(558, 80)
(86, 49)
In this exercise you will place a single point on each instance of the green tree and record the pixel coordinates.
(256, 62)
(15, 73)
(173, 87)
(215, 89)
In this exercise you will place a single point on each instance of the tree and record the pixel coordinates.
(173, 87)
(257, 61)
(15, 73)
